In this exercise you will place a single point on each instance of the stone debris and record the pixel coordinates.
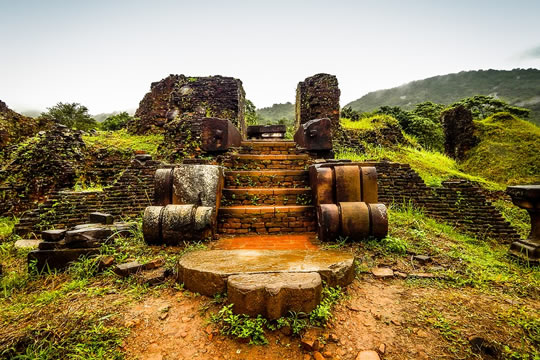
(105, 262)
(309, 344)
(59, 258)
(423, 259)
(368, 355)
(400, 274)
(101, 218)
(153, 277)
(382, 348)
(318, 356)
(128, 268)
(27, 244)
(53, 235)
(382, 272)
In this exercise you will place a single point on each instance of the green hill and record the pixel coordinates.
(519, 87)
(275, 113)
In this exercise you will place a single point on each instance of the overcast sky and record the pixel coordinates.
(105, 53)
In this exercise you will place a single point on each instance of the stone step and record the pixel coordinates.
(269, 147)
(266, 196)
(274, 295)
(207, 271)
(253, 162)
(266, 178)
(266, 219)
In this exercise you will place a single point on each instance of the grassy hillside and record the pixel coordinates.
(519, 87)
(275, 113)
(508, 152)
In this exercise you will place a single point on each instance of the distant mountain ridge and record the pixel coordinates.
(519, 87)
(273, 114)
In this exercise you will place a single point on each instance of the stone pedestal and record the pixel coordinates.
(527, 197)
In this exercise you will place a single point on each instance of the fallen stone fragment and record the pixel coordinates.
(105, 262)
(58, 258)
(382, 272)
(154, 264)
(422, 258)
(422, 275)
(49, 245)
(128, 268)
(83, 237)
(368, 355)
(382, 348)
(27, 244)
(400, 274)
(318, 356)
(309, 344)
(274, 295)
(152, 277)
(53, 235)
(101, 218)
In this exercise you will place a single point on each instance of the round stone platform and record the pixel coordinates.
(206, 272)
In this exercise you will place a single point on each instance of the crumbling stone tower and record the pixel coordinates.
(317, 97)
(458, 129)
(183, 97)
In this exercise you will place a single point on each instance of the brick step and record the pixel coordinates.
(270, 147)
(266, 196)
(258, 162)
(267, 178)
(266, 219)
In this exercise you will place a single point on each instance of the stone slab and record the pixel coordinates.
(27, 244)
(59, 258)
(101, 218)
(274, 295)
(53, 235)
(206, 272)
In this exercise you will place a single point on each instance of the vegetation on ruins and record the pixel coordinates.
(73, 115)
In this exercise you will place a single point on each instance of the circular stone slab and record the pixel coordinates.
(206, 272)
(274, 295)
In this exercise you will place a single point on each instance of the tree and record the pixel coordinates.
(73, 115)
(250, 113)
(349, 113)
(483, 106)
(116, 122)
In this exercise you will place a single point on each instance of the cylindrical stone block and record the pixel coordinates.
(322, 181)
(328, 221)
(355, 222)
(176, 223)
(163, 187)
(369, 184)
(379, 220)
(152, 224)
(347, 183)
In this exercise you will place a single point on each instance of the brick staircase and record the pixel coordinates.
(267, 190)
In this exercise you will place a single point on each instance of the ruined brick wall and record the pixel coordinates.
(458, 202)
(458, 129)
(14, 127)
(317, 97)
(179, 96)
(128, 196)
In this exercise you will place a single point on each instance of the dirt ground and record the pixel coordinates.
(389, 316)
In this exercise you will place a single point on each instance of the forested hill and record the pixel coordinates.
(275, 113)
(519, 87)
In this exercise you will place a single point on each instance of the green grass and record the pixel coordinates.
(432, 166)
(368, 123)
(6, 226)
(122, 140)
(467, 261)
(509, 150)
